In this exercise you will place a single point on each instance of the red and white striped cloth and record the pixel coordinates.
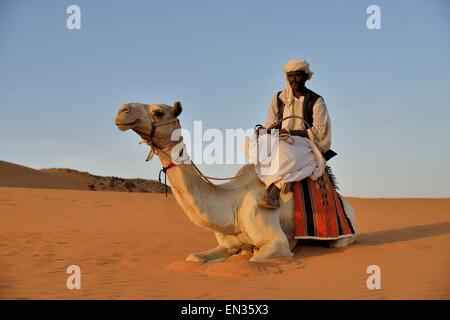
(319, 211)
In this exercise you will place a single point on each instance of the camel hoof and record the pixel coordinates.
(195, 258)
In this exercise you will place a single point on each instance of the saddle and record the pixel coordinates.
(318, 209)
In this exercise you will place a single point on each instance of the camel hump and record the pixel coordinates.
(247, 175)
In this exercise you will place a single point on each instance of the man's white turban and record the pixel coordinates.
(296, 65)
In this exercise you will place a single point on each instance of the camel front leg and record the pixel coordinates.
(219, 253)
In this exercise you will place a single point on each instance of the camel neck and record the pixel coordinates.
(206, 205)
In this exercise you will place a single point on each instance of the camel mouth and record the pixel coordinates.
(126, 126)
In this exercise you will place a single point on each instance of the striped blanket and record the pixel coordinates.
(319, 211)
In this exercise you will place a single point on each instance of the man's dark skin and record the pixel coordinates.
(297, 80)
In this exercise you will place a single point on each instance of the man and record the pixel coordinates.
(297, 159)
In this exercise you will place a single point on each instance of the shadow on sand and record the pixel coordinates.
(375, 238)
(403, 234)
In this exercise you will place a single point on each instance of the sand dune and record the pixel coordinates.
(14, 175)
(133, 245)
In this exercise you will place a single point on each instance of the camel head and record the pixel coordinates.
(155, 121)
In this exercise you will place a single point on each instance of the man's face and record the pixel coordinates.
(296, 79)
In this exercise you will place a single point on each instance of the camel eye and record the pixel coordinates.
(159, 114)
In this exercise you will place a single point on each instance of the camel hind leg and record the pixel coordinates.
(273, 241)
(272, 249)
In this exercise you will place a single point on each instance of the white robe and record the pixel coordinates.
(286, 162)
(281, 161)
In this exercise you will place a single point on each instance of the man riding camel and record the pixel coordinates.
(301, 158)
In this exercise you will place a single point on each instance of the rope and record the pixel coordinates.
(203, 176)
(285, 137)
(164, 170)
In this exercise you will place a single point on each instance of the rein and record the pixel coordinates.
(155, 149)
(276, 123)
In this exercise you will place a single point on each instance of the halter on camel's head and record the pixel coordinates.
(146, 120)
(149, 141)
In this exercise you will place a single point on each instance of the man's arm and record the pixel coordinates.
(320, 132)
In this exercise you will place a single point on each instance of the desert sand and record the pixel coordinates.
(133, 246)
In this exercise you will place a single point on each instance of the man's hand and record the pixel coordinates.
(285, 136)
(283, 131)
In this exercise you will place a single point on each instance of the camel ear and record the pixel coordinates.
(177, 108)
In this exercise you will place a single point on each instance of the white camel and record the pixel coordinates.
(229, 210)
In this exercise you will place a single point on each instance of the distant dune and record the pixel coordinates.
(14, 175)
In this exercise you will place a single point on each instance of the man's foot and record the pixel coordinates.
(271, 199)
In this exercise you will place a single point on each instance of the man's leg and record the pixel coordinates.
(271, 199)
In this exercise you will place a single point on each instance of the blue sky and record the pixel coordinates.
(387, 90)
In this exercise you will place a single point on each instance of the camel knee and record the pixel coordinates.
(283, 248)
